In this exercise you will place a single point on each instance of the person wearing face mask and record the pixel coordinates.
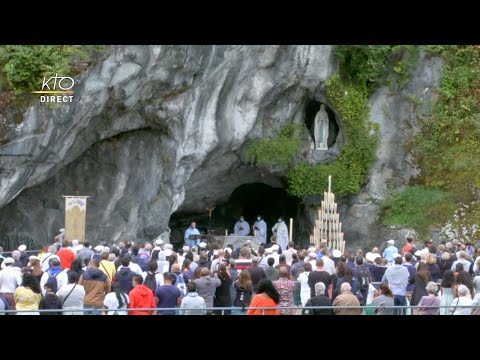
(280, 230)
(241, 227)
(260, 228)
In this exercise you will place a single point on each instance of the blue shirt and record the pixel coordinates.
(167, 298)
(389, 252)
(397, 277)
(189, 232)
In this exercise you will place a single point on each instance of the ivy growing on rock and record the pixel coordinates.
(357, 155)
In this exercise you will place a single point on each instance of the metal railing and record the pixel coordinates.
(223, 310)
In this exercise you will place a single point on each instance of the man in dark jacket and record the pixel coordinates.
(256, 274)
(125, 275)
(318, 300)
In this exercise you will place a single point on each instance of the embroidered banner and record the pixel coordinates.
(75, 212)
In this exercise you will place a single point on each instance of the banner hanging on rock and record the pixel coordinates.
(75, 213)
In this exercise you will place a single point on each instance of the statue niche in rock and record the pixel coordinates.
(321, 129)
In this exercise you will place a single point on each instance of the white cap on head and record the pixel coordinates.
(168, 246)
(8, 260)
(98, 248)
(275, 247)
(22, 248)
(158, 242)
(75, 242)
(396, 255)
(186, 248)
(418, 253)
(33, 257)
(312, 255)
(62, 230)
(391, 242)
(215, 252)
(227, 249)
(202, 245)
(336, 254)
(311, 249)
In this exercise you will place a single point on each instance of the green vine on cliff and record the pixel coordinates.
(448, 147)
(351, 167)
(277, 152)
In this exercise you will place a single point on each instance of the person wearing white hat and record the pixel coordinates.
(390, 251)
(23, 255)
(10, 280)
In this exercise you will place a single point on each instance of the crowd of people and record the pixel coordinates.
(152, 278)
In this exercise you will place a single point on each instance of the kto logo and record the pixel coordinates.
(60, 85)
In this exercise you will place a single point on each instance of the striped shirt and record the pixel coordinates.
(241, 264)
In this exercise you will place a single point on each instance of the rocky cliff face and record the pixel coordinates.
(158, 129)
(398, 114)
(150, 130)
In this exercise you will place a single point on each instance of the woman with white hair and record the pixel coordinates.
(464, 299)
(445, 263)
(430, 300)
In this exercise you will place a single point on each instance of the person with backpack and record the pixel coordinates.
(54, 275)
(52, 250)
(364, 278)
(96, 285)
(181, 279)
(152, 278)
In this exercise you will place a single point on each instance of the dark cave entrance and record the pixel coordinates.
(311, 110)
(248, 200)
